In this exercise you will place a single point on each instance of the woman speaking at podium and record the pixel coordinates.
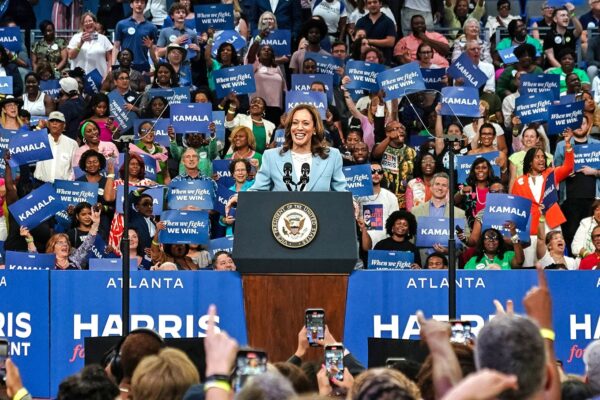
(305, 162)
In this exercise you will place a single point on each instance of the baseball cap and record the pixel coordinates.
(69, 85)
(56, 115)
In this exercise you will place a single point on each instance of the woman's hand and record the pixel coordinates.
(568, 134)
(171, 133)
(24, 231)
(96, 211)
(161, 225)
(511, 227)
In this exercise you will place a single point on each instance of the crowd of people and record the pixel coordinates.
(402, 138)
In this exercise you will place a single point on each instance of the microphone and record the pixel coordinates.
(287, 175)
(305, 171)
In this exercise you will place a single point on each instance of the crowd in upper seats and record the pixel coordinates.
(144, 50)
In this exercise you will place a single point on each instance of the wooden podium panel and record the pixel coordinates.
(275, 305)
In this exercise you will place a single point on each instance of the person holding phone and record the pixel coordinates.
(89, 49)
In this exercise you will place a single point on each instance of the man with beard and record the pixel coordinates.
(560, 36)
(380, 29)
(360, 153)
(405, 50)
(517, 35)
(314, 30)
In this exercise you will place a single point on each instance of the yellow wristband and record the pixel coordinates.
(155, 243)
(217, 385)
(20, 394)
(548, 334)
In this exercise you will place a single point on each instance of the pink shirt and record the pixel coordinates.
(412, 43)
(270, 84)
(107, 149)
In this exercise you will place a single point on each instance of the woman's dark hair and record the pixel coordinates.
(173, 81)
(423, 44)
(36, 76)
(594, 206)
(565, 51)
(355, 49)
(405, 215)
(78, 208)
(119, 71)
(512, 27)
(94, 101)
(573, 389)
(92, 153)
(90, 383)
(418, 168)
(317, 146)
(501, 3)
(380, 55)
(272, 60)
(529, 157)
(424, 378)
(295, 375)
(168, 247)
(44, 24)
(139, 250)
(84, 123)
(140, 160)
(147, 113)
(206, 91)
(234, 56)
(525, 49)
(237, 161)
(438, 255)
(472, 180)
(3, 56)
(479, 251)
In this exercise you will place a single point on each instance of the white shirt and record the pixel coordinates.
(59, 167)
(490, 72)
(330, 12)
(92, 54)
(389, 203)
(274, 4)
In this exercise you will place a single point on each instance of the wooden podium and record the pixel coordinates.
(279, 282)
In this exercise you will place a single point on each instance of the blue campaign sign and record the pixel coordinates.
(550, 195)
(400, 81)
(239, 80)
(279, 137)
(560, 3)
(185, 227)
(501, 208)
(385, 260)
(464, 163)
(508, 55)
(532, 107)
(191, 118)
(325, 64)
(176, 95)
(6, 85)
(302, 82)
(5, 135)
(216, 16)
(10, 38)
(111, 264)
(460, 101)
(567, 98)
(75, 192)
(157, 194)
(198, 193)
(587, 155)
(221, 168)
(92, 82)
(150, 164)
(391, 314)
(87, 303)
(51, 87)
(38, 206)
(218, 117)
(359, 180)
(435, 230)
(161, 126)
(540, 83)
(222, 197)
(25, 314)
(363, 75)
(317, 99)
(99, 250)
(563, 116)
(117, 109)
(220, 244)
(228, 36)
(23, 261)
(29, 147)
(281, 42)
(433, 78)
(463, 68)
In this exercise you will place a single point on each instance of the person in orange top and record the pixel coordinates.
(593, 260)
(532, 185)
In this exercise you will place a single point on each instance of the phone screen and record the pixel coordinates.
(315, 325)
(461, 332)
(334, 362)
(3, 357)
(248, 363)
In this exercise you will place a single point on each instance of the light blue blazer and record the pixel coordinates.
(325, 175)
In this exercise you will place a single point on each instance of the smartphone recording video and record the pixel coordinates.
(3, 356)
(315, 325)
(461, 332)
(334, 361)
(248, 363)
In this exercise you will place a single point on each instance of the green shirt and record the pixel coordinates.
(260, 134)
(583, 77)
(504, 263)
(507, 42)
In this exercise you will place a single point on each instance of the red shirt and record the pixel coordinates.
(590, 262)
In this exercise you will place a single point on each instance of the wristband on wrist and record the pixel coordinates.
(110, 176)
(21, 393)
(223, 385)
(548, 334)
(29, 240)
(258, 38)
(155, 243)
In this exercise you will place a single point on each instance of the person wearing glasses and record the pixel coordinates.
(492, 252)
(377, 207)
(591, 261)
(148, 144)
(546, 22)
(501, 19)
(122, 85)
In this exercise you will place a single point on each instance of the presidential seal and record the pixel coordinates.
(294, 225)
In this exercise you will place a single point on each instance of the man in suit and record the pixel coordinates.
(287, 12)
(438, 207)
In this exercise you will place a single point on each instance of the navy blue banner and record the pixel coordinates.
(463, 68)
(317, 99)
(220, 244)
(433, 78)
(239, 80)
(325, 64)
(176, 95)
(435, 230)
(501, 208)
(281, 42)
(540, 83)
(221, 169)
(111, 264)
(386, 260)
(228, 36)
(563, 116)
(400, 81)
(198, 193)
(460, 101)
(508, 55)
(464, 163)
(218, 117)
(550, 195)
(279, 137)
(222, 197)
(38, 206)
(117, 109)
(216, 16)
(6, 85)
(359, 180)
(99, 249)
(185, 227)
(363, 75)
(156, 193)
(150, 164)
(50, 87)
(92, 82)
(161, 126)
(533, 107)
(191, 118)
(29, 147)
(302, 83)
(10, 38)
(73, 193)
(25, 261)
(587, 155)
